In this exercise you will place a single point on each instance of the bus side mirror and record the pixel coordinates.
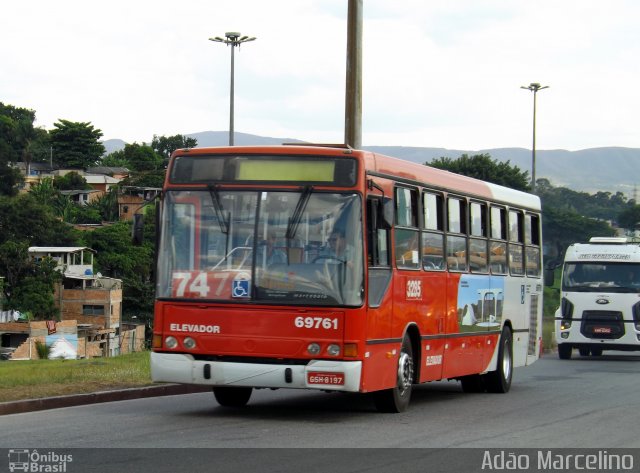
(137, 232)
(386, 217)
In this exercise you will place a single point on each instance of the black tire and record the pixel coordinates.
(499, 381)
(584, 351)
(397, 398)
(564, 351)
(228, 396)
(473, 384)
(596, 352)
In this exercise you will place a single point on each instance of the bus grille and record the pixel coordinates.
(602, 324)
(533, 324)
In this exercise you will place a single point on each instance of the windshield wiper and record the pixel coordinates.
(295, 219)
(215, 199)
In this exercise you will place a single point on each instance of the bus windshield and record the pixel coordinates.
(287, 247)
(599, 276)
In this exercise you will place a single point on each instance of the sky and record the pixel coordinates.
(436, 73)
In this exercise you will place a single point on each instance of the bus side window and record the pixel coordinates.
(377, 235)
(456, 237)
(433, 257)
(532, 242)
(407, 235)
(378, 246)
(498, 245)
(516, 240)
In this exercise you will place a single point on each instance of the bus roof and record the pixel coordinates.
(389, 167)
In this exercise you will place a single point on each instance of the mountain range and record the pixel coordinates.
(608, 169)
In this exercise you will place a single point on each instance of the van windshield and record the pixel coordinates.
(596, 277)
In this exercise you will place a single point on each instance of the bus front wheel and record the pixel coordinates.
(229, 396)
(564, 351)
(499, 381)
(397, 398)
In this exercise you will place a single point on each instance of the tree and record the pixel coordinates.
(142, 157)
(630, 218)
(70, 181)
(601, 205)
(115, 160)
(560, 228)
(76, 145)
(29, 284)
(14, 125)
(10, 179)
(145, 179)
(481, 166)
(44, 191)
(17, 137)
(22, 218)
(165, 145)
(117, 257)
(106, 206)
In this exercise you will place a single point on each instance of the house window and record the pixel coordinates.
(92, 310)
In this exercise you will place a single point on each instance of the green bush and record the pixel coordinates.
(43, 350)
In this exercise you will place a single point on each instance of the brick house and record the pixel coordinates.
(131, 200)
(90, 312)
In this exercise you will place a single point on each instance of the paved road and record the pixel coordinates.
(584, 402)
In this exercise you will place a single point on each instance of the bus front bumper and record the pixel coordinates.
(317, 374)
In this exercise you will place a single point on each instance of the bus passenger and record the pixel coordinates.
(268, 253)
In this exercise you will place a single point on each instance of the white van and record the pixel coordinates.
(600, 298)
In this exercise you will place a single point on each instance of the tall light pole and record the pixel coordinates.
(232, 39)
(534, 87)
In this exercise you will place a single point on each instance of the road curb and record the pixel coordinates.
(29, 405)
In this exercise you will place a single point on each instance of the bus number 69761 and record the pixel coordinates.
(316, 322)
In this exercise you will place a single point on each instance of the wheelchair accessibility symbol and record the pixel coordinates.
(240, 286)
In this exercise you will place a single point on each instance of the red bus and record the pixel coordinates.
(336, 269)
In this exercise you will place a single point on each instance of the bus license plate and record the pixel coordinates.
(336, 379)
(602, 330)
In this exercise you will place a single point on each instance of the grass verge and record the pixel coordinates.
(45, 378)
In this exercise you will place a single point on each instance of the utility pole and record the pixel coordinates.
(353, 91)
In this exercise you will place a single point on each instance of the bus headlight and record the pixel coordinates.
(313, 348)
(333, 349)
(189, 343)
(170, 342)
(565, 324)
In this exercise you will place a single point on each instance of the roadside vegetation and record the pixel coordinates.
(33, 379)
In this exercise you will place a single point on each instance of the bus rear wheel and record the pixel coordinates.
(397, 398)
(229, 396)
(499, 381)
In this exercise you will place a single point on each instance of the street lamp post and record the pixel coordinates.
(232, 39)
(534, 87)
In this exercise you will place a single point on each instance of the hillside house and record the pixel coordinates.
(100, 182)
(90, 313)
(132, 199)
(116, 172)
(84, 196)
